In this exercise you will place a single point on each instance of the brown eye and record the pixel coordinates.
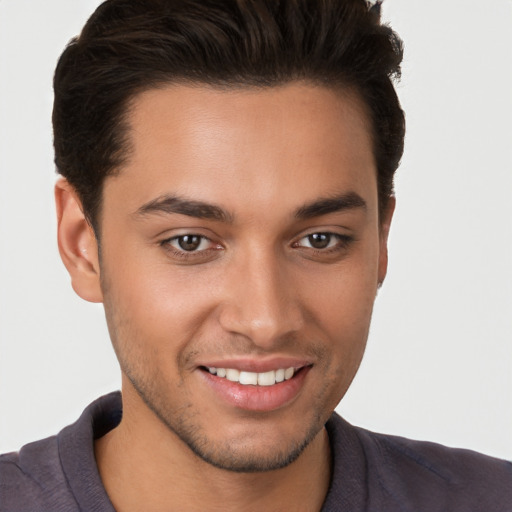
(319, 240)
(189, 242)
(191, 248)
(324, 242)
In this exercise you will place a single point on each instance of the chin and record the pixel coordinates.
(248, 456)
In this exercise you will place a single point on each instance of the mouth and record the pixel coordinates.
(246, 378)
(258, 385)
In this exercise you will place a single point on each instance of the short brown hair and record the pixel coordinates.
(128, 46)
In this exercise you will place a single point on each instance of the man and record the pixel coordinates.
(226, 193)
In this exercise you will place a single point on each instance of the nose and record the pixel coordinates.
(261, 301)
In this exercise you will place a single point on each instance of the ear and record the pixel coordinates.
(77, 243)
(385, 224)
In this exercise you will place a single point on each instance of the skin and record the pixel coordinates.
(255, 291)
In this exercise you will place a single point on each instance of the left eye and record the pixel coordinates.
(320, 241)
(190, 243)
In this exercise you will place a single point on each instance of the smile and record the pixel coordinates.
(252, 378)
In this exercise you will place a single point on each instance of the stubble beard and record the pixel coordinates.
(220, 455)
(184, 421)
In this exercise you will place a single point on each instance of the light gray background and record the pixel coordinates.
(439, 360)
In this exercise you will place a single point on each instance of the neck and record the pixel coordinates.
(145, 466)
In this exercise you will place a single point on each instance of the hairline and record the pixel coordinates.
(125, 128)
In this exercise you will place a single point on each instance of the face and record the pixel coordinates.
(241, 251)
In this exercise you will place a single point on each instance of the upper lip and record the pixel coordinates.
(257, 365)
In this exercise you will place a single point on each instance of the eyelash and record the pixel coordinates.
(342, 243)
(183, 254)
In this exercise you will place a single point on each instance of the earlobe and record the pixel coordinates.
(77, 243)
(385, 225)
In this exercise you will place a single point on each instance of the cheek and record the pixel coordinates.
(343, 298)
(157, 310)
(341, 304)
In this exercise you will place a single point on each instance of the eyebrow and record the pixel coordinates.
(177, 205)
(328, 205)
(174, 204)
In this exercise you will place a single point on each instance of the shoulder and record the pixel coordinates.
(421, 475)
(34, 476)
(60, 473)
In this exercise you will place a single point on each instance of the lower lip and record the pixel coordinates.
(257, 398)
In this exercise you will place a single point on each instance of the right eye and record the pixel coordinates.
(189, 243)
(320, 241)
(190, 248)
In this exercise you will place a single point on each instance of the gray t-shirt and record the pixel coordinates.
(371, 472)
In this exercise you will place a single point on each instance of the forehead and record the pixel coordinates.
(219, 145)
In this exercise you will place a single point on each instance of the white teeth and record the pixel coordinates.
(252, 378)
(232, 374)
(267, 378)
(248, 378)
